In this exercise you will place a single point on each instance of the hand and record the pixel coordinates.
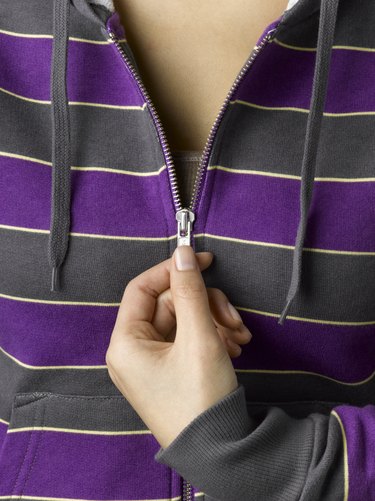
(168, 354)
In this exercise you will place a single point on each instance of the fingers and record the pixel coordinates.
(189, 293)
(164, 319)
(140, 295)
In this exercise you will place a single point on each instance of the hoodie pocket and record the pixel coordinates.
(82, 447)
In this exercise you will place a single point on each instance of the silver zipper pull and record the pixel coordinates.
(185, 219)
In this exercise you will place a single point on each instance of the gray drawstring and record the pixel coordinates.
(327, 23)
(61, 174)
(61, 182)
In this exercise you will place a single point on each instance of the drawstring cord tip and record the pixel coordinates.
(55, 286)
(285, 312)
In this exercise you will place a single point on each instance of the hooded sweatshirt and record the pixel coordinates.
(283, 196)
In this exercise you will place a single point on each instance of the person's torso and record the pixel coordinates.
(65, 429)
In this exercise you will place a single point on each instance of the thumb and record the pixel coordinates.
(189, 295)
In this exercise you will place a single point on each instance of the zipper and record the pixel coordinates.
(185, 216)
(186, 491)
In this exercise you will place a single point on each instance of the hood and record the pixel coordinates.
(98, 11)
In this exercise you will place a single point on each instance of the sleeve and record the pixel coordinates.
(232, 455)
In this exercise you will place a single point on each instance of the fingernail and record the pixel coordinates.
(234, 312)
(185, 258)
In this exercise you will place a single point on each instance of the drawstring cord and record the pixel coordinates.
(327, 23)
(61, 172)
(61, 182)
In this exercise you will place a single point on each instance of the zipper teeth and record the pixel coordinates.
(157, 121)
(186, 495)
(206, 152)
(186, 491)
(163, 140)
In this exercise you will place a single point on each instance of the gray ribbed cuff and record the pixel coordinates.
(226, 420)
(231, 455)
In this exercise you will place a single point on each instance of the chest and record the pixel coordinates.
(189, 56)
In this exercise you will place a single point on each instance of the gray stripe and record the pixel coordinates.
(346, 280)
(35, 17)
(297, 394)
(105, 413)
(312, 393)
(26, 130)
(249, 138)
(355, 25)
(15, 379)
(256, 139)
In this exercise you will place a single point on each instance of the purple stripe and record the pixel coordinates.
(95, 73)
(283, 77)
(339, 219)
(80, 334)
(359, 425)
(98, 467)
(341, 215)
(346, 353)
(102, 202)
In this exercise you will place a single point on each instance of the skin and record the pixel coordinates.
(171, 347)
(189, 53)
(166, 353)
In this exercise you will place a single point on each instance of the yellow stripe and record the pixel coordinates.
(75, 103)
(313, 49)
(346, 466)
(301, 110)
(45, 367)
(258, 312)
(92, 235)
(99, 169)
(212, 167)
(281, 246)
(302, 319)
(69, 303)
(4, 422)
(291, 176)
(307, 373)
(39, 498)
(73, 39)
(198, 235)
(73, 430)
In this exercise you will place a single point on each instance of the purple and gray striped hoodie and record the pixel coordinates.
(284, 197)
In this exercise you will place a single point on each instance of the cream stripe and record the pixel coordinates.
(75, 103)
(39, 498)
(281, 246)
(291, 176)
(73, 39)
(258, 312)
(307, 373)
(73, 430)
(313, 49)
(346, 466)
(212, 167)
(99, 169)
(198, 235)
(310, 320)
(68, 303)
(302, 110)
(92, 235)
(4, 422)
(255, 371)
(48, 367)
